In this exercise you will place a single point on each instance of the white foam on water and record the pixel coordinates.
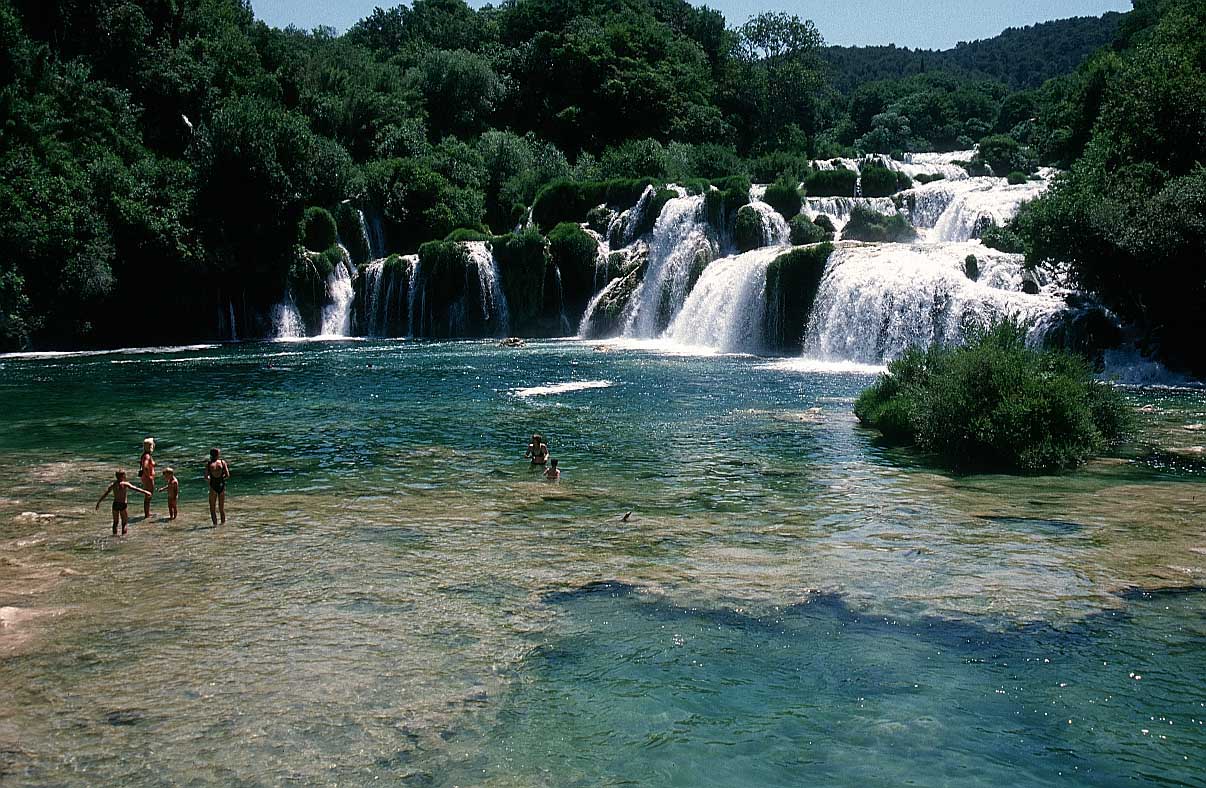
(562, 388)
(806, 364)
(37, 354)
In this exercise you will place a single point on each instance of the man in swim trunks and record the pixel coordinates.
(216, 474)
(119, 489)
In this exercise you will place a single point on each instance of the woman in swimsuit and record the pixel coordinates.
(216, 473)
(538, 450)
(146, 474)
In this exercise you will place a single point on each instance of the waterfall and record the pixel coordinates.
(493, 301)
(337, 313)
(727, 307)
(775, 231)
(234, 334)
(876, 300)
(373, 276)
(970, 210)
(838, 209)
(374, 235)
(413, 281)
(566, 330)
(621, 230)
(287, 321)
(680, 241)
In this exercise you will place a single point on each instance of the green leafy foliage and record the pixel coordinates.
(879, 181)
(868, 225)
(318, 229)
(838, 182)
(784, 197)
(747, 229)
(792, 280)
(804, 231)
(995, 404)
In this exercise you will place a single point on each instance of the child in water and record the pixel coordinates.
(173, 491)
(119, 489)
(553, 474)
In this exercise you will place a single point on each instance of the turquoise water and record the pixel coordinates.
(397, 597)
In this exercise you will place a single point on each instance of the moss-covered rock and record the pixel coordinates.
(443, 266)
(1003, 239)
(599, 219)
(971, 267)
(804, 231)
(318, 229)
(723, 201)
(792, 280)
(868, 225)
(523, 260)
(784, 197)
(747, 229)
(347, 220)
(608, 316)
(653, 209)
(463, 234)
(576, 255)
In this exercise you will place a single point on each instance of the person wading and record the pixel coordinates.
(216, 474)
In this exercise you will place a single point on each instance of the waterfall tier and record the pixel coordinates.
(877, 300)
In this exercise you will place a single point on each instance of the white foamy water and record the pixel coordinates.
(678, 237)
(562, 388)
(48, 354)
(337, 314)
(877, 300)
(805, 364)
(493, 301)
(727, 307)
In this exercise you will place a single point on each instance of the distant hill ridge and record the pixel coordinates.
(1020, 57)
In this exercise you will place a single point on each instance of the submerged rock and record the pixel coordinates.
(515, 342)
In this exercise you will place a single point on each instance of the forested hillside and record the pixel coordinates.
(1020, 57)
(167, 160)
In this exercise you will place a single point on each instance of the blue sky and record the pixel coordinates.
(931, 24)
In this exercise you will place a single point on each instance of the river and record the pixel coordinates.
(398, 598)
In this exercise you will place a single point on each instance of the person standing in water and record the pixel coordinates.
(538, 450)
(146, 474)
(553, 474)
(172, 485)
(216, 474)
(119, 488)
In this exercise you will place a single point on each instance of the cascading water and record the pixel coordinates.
(774, 227)
(838, 209)
(374, 237)
(413, 281)
(681, 241)
(622, 229)
(493, 301)
(727, 307)
(287, 322)
(337, 313)
(234, 334)
(877, 300)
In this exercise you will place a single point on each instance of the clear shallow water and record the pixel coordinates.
(398, 597)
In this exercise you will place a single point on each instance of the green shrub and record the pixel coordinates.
(727, 196)
(995, 404)
(319, 232)
(1004, 154)
(784, 197)
(825, 223)
(567, 200)
(879, 181)
(924, 178)
(868, 225)
(1016, 178)
(462, 234)
(747, 229)
(804, 231)
(1003, 239)
(831, 183)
